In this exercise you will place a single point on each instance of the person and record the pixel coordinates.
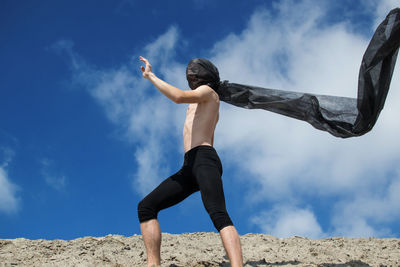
(201, 170)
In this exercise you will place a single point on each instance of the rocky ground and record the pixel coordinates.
(201, 249)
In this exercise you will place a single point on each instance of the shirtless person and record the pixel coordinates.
(201, 170)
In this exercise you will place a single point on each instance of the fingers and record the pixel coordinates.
(147, 69)
(144, 60)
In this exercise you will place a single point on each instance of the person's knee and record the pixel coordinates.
(220, 219)
(146, 211)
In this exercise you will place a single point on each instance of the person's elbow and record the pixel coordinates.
(179, 98)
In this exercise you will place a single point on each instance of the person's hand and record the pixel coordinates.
(146, 71)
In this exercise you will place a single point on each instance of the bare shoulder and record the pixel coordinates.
(208, 92)
(204, 89)
(203, 93)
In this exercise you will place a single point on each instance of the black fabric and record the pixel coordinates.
(201, 71)
(340, 116)
(202, 171)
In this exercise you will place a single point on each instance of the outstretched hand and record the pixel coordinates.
(146, 71)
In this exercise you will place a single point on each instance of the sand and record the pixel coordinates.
(201, 249)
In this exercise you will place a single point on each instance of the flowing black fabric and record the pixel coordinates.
(340, 116)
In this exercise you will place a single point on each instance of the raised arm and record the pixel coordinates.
(200, 94)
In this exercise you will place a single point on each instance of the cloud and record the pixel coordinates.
(382, 7)
(143, 116)
(6, 155)
(53, 177)
(366, 213)
(8, 145)
(287, 221)
(292, 48)
(66, 46)
(9, 202)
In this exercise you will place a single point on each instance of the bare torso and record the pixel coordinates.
(200, 123)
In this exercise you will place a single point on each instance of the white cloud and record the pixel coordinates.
(287, 221)
(287, 159)
(366, 213)
(382, 7)
(9, 202)
(144, 116)
(6, 155)
(52, 176)
(162, 50)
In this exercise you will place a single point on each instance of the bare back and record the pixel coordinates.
(200, 123)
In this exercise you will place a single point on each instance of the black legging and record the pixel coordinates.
(202, 171)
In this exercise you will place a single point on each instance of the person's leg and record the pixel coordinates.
(212, 194)
(233, 248)
(151, 234)
(170, 192)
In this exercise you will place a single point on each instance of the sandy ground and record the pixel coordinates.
(201, 249)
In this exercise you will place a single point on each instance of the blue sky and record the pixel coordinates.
(83, 137)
